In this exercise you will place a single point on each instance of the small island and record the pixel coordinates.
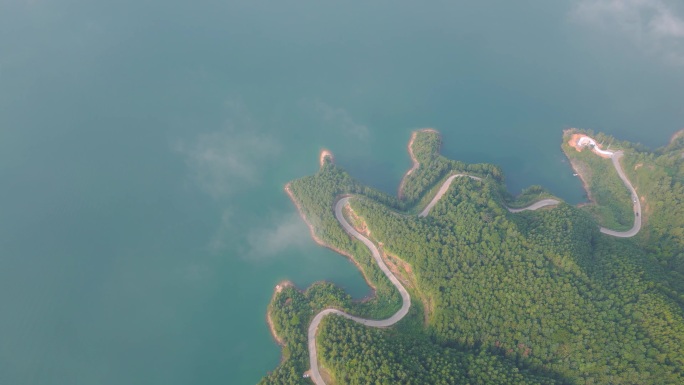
(473, 285)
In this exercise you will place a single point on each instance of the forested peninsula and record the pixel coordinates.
(497, 297)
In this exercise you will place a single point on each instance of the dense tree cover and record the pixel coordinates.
(533, 297)
(527, 286)
(612, 204)
(659, 179)
(291, 312)
(434, 168)
(357, 355)
(316, 196)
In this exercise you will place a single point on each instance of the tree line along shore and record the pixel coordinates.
(535, 297)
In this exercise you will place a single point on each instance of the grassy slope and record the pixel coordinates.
(611, 205)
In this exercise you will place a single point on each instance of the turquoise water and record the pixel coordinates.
(144, 147)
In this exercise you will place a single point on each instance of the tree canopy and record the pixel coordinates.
(532, 297)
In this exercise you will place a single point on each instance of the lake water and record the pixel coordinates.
(144, 147)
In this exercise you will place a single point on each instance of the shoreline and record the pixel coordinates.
(579, 142)
(271, 326)
(321, 243)
(572, 142)
(398, 271)
(585, 185)
(596, 149)
(325, 153)
(383, 323)
(416, 164)
(676, 136)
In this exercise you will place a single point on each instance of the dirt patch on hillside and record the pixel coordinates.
(325, 374)
(404, 272)
(288, 190)
(356, 221)
(574, 143)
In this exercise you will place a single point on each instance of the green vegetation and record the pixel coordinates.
(527, 196)
(612, 201)
(291, 312)
(659, 178)
(527, 288)
(358, 356)
(534, 297)
(423, 183)
(316, 194)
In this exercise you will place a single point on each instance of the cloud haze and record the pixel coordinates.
(219, 240)
(284, 232)
(653, 25)
(223, 161)
(228, 161)
(336, 118)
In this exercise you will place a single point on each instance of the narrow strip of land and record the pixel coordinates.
(405, 297)
(414, 160)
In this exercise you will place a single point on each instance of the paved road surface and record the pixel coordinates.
(442, 190)
(406, 298)
(615, 157)
(445, 187)
(536, 205)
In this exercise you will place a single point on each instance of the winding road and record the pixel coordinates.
(442, 190)
(586, 141)
(406, 298)
(536, 205)
(615, 157)
(445, 187)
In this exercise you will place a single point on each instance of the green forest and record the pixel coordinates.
(498, 298)
(611, 202)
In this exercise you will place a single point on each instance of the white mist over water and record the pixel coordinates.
(144, 148)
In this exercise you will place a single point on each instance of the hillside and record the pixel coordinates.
(532, 297)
